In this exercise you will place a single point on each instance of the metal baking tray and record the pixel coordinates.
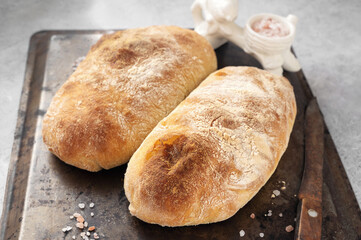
(42, 192)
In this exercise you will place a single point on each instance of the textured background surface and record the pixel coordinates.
(327, 45)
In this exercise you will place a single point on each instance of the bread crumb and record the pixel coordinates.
(289, 228)
(273, 196)
(76, 214)
(242, 233)
(92, 228)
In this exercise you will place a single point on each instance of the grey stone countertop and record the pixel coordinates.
(327, 45)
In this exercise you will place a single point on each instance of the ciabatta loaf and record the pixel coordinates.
(127, 83)
(214, 152)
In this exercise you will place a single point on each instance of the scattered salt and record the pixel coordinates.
(312, 213)
(276, 193)
(261, 235)
(81, 205)
(242, 233)
(79, 225)
(289, 228)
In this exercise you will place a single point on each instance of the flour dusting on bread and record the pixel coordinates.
(127, 83)
(213, 153)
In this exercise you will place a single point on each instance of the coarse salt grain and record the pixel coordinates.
(252, 215)
(261, 235)
(242, 233)
(80, 219)
(82, 234)
(273, 196)
(76, 215)
(67, 229)
(71, 217)
(92, 214)
(79, 225)
(276, 193)
(96, 236)
(91, 205)
(85, 224)
(88, 233)
(73, 237)
(289, 228)
(312, 213)
(81, 205)
(281, 215)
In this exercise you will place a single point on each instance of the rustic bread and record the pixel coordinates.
(127, 83)
(214, 152)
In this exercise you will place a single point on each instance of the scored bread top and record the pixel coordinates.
(213, 153)
(127, 83)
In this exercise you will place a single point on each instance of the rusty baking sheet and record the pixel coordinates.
(42, 192)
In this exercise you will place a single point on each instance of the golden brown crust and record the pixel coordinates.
(213, 153)
(127, 83)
